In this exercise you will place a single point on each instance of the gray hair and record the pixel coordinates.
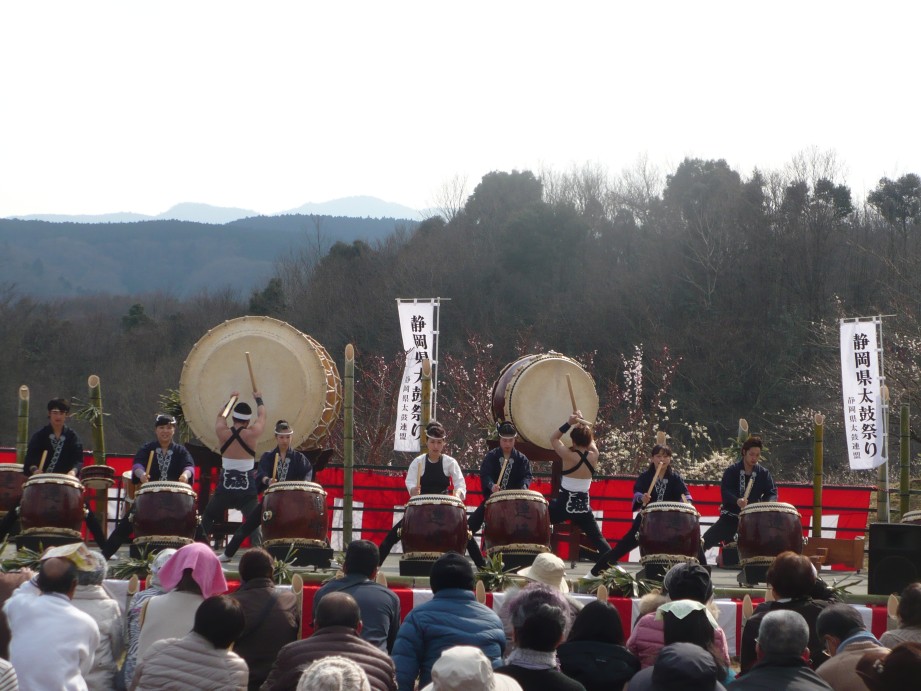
(98, 574)
(783, 632)
(333, 673)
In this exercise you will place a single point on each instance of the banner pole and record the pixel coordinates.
(904, 460)
(818, 460)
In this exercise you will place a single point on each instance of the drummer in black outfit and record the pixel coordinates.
(669, 487)
(55, 448)
(161, 459)
(281, 464)
(503, 468)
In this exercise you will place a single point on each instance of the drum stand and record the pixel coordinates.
(753, 573)
(300, 555)
(418, 563)
(42, 539)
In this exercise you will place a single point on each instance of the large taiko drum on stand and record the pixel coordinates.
(532, 393)
(52, 509)
(432, 525)
(299, 380)
(669, 534)
(517, 525)
(11, 481)
(766, 529)
(164, 515)
(294, 523)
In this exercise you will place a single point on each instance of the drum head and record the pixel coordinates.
(537, 397)
(294, 373)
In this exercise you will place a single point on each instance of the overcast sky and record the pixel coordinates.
(131, 106)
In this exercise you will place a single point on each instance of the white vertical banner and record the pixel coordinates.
(417, 327)
(861, 383)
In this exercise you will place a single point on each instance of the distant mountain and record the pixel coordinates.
(358, 207)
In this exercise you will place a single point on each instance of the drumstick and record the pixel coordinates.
(230, 404)
(419, 476)
(149, 461)
(572, 396)
(252, 377)
(748, 487)
(275, 467)
(655, 479)
(41, 463)
(502, 472)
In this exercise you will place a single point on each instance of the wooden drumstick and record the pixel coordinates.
(230, 404)
(149, 462)
(655, 479)
(502, 472)
(419, 475)
(252, 377)
(748, 487)
(41, 463)
(572, 395)
(275, 468)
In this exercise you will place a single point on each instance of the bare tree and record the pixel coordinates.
(450, 197)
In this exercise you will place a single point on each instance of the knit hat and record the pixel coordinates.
(548, 569)
(889, 672)
(465, 668)
(688, 582)
(334, 673)
(451, 570)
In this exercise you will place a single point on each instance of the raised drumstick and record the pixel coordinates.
(41, 463)
(252, 377)
(275, 467)
(572, 399)
(149, 461)
(655, 478)
(230, 404)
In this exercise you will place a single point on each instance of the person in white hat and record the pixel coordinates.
(548, 569)
(465, 668)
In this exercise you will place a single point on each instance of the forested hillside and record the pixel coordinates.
(695, 297)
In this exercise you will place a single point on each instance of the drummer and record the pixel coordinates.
(236, 487)
(55, 448)
(430, 473)
(734, 489)
(281, 464)
(158, 460)
(579, 463)
(502, 468)
(669, 486)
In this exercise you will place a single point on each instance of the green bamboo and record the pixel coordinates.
(904, 459)
(818, 461)
(22, 427)
(426, 400)
(348, 445)
(101, 496)
(882, 473)
(742, 435)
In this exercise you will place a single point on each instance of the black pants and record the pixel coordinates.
(561, 511)
(474, 523)
(628, 542)
(219, 503)
(250, 525)
(390, 539)
(724, 530)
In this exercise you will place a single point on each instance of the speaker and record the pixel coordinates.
(895, 557)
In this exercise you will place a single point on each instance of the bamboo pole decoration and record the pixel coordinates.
(275, 468)
(41, 463)
(22, 425)
(348, 444)
(742, 435)
(661, 438)
(818, 463)
(426, 398)
(892, 606)
(904, 459)
(747, 608)
(231, 402)
(149, 463)
(100, 494)
(602, 593)
(882, 476)
(252, 377)
(297, 587)
(480, 592)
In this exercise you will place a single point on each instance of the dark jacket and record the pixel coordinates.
(679, 667)
(519, 474)
(540, 679)
(180, 460)
(732, 487)
(774, 673)
(272, 620)
(806, 606)
(379, 606)
(671, 484)
(298, 470)
(70, 458)
(597, 666)
(332, 640)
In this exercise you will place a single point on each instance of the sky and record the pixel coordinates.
(135, 107)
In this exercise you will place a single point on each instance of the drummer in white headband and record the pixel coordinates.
(281, 464)
(236, 488)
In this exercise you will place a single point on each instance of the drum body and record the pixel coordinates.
(532, 393)
(517, 521)
(302, 378)
(913, 517)
(432, 525)
(294, 513)
(11, 481)
(97, 476)
(52, 503)
(766, 529)
(164, 514)
(669, 532)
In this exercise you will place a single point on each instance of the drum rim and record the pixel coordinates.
(423, 499)
(157, 486)
(288, 485)
(680, 506)
(10, 467)
(512, 494)
(768, 506)
(53, 479)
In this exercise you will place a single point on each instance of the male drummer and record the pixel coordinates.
(502, 468)
(55, 448)
(236, 488)
(161, 459)
(579, 463)
(430, 473)
(281, 464)
(737, 495)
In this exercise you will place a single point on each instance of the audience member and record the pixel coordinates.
(909, 614)
(379, 605)
(272, 616)
(890, 671)
(202, 659)
(333, 673)
(452, 617)
(680, 666)
(192, 575)
(792, 578)
(537, 590)
(682, 582)
(783, 657)
(538, 629)
(133, 620)
(92, 598)
(846, 640)
(594, 653)
(465, 668)
(53, 642)
(337, 625)
(8, 680)
(9, 581)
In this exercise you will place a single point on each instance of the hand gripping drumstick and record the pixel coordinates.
(660, 440)
(41, 463)
(502, 472)
(252, 377)
(572, 399)
(230, 404)
(149, 461)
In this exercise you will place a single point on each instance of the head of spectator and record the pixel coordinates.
(783, 633)
(598, 621)
(361, 558)
(57, 576)
(539, 616)
(791, 575)
(889, 672)
(688, 582)
(548, 569)
(158, 563)
(690, 621)
(194, 568)
(837, 623)
(220, 620)
(256, 563)
(909, 610)
(684, 666)
(465, 668)
(96, 572)
(517, 604)
(337, 609)
(333, 673)
(451, 570)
